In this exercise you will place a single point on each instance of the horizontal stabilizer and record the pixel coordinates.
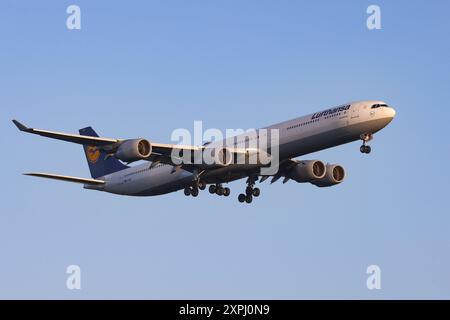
(66, 178)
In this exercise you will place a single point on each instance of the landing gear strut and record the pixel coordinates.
(250, 191)
(366, 137)
(194, 188)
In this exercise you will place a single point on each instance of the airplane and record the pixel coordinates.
(162, 173)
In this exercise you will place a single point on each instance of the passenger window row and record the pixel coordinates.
(302, 124)
(146, 169)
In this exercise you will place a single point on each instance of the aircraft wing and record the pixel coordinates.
(66, 178)
(159, 148)
(75, 138)
(161, 153)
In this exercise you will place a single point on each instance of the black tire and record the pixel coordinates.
(219, 191)
(249, 191)
(212, 189)
(241, 198)
(248, 199)
(187, 191)
(368, 149)
(362, 149)
(194, 192)
(202, 185)
(226, 192)
(256, 192)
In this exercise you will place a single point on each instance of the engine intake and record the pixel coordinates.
(134, 150)
(307, 171)
(335, 174)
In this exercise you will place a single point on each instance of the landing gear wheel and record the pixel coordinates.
(226, 192)
(365, 149)
(202, 185)
(212, 189)
(250, 190)
(366, 137)
(220, 191)
(187, 191)
(194, 192)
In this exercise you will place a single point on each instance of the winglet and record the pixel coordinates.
(21, 126)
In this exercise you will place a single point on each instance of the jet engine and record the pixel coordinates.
(307, 171)
(217, 156)
(223, 157)
(134, 150)
(335, 174)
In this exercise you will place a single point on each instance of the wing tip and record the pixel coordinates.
(85, 181)
(20, 126)
(31, 174)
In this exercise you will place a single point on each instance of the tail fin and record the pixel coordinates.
(99, 164)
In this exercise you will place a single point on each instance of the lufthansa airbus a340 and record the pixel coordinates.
(162, 173)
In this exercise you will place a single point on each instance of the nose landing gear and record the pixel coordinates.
(366, 137)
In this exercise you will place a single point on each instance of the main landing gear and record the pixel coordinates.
(250, 191)
(191, 191)
(219, 190)
(366, 137)
(194, 189)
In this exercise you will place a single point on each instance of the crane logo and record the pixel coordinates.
(92, 154)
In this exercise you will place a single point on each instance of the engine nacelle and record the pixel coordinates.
(223, 157)
(335, 174)
(217, 156)
(307, 171)
(134, 150)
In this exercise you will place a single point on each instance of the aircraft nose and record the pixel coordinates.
(391, 112)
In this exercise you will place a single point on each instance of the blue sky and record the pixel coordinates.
(148, 67)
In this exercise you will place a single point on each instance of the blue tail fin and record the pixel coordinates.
(99, 164)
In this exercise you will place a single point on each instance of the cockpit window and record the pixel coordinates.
(379, 105)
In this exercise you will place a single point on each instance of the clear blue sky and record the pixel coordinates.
(144, 68)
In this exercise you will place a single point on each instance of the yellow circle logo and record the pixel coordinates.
(92, 154)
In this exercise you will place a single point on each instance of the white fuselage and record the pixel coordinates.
(297, 137)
